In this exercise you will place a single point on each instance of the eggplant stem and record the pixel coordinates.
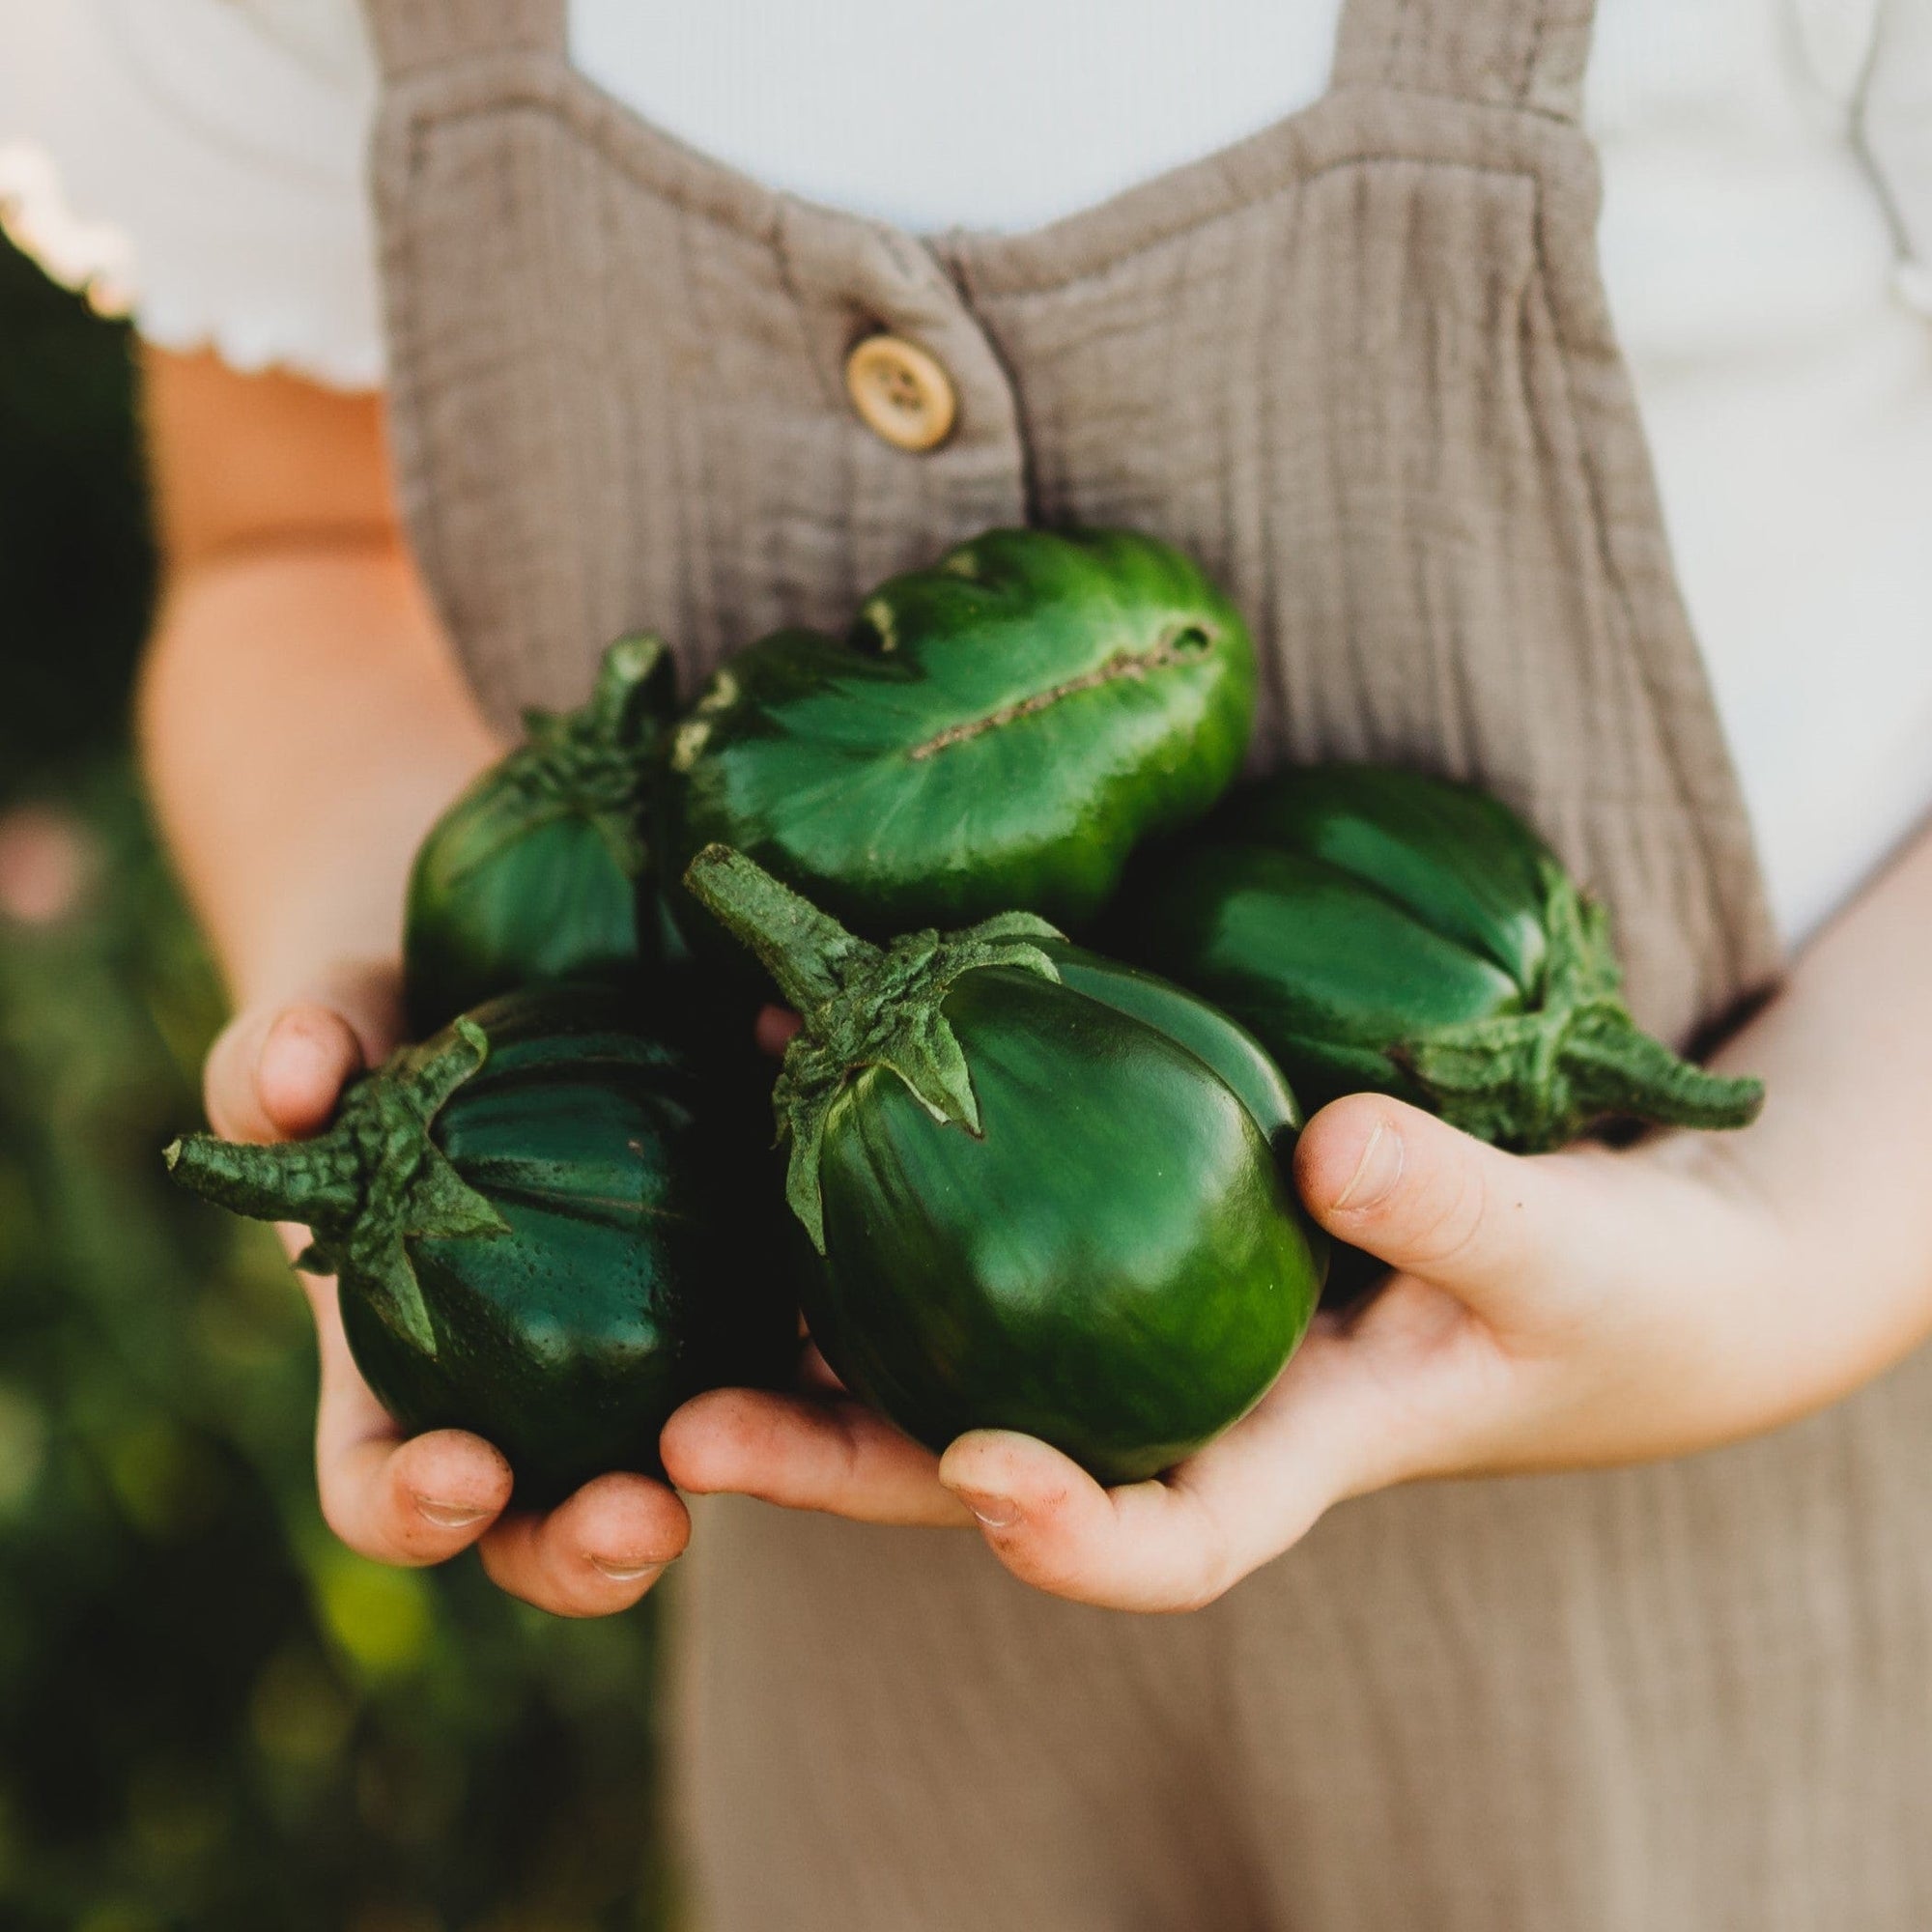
(1616, 1068)
(862, 1005)
(807, 952)
(374, 1180)
(290, 1181)
(1531, 1082)
(595, 762)
(634, 688)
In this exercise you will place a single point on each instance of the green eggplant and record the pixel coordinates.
(532, 875)
(1047, 1193)
(1383, 930)
(536, 1234)
(996, 731)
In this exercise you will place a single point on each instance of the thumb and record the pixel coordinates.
(277, 1069)
(1434, 1202)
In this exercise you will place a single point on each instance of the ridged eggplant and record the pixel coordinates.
(1380, 929)
(1048, 1193)
(538, 1233)
(532, 875)
(996, 731)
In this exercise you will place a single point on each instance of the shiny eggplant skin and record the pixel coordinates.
(1049, 1193)
(1116, 1265)
(1382, 931)
(1208, 1034)
(996, 731)
(537, 1236)
(1329, 973)
(551, 903)
(532, 875)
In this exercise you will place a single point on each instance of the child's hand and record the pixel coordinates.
(1576, 1308)
(1580, 1308)
(274, 1074)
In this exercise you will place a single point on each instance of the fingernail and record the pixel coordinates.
(1376, 1172)
(620, 1572)
(993, 1512)
(450, 1516)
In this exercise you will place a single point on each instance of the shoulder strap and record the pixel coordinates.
(1511, 53)
(413, 34)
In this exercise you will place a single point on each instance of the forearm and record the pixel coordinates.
(1842, 1159)
(302, 718)
(302, 724)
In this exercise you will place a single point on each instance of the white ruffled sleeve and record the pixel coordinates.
(199, 164)
(1895, 126)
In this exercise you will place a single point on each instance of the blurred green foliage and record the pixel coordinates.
(211, 1716)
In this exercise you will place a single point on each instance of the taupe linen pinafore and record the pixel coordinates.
(1362, 365)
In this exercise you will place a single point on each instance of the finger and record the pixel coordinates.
(1142, 1547)
(594, 1554)
(307, 1056)
(276, 1070)
(1415, 1193)
(368, 993)
(1366, 1401)
(806, 1453)
(774, 1028)
(412, 1500)
(815, 1375)
(275, 1074)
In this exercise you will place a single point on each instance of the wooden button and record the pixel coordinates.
(904, 395)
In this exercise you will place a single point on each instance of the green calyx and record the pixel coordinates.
(373, 1179)
(1531, 1081)
(595, 762)
(860, 1005)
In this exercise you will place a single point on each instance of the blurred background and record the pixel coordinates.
(211, 1714)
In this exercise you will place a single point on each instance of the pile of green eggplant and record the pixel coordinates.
(1383, 930)
(1025, 1184)
(533, 1221)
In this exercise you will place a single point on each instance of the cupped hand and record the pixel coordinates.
(1570, 1310)
(275, 1074)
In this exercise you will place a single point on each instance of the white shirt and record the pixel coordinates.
(1766, 247)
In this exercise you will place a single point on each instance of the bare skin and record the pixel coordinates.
(303, 722)
(1576, 1310)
